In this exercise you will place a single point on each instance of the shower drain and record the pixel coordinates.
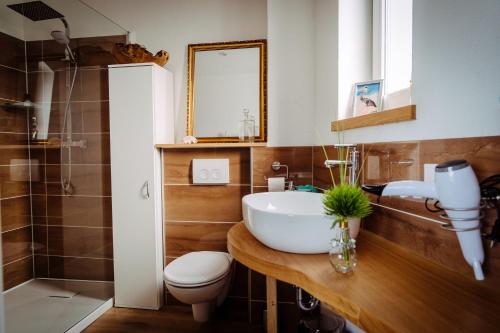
(65, 295)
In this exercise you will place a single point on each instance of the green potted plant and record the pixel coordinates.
(347, 203)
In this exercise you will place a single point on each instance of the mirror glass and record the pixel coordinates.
(226, 87)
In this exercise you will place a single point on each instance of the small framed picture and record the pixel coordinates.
(367, 97)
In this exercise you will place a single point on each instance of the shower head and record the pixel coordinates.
(36, 10)
(60, 36)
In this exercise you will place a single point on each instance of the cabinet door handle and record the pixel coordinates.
(145, 190)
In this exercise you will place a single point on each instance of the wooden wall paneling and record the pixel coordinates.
(177, 164)
(413, 230)
(185, 237)
(298, 159)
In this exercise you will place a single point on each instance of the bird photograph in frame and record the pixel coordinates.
(367, 97)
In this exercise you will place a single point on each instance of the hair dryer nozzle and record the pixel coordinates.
(374, 189)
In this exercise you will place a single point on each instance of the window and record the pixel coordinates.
(392, 49)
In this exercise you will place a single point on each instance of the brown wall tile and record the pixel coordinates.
(15, 213)
(424, 237)
(12, 84)
(80, 268)
(39, 209)
(97, 150)
(11, 181)
(79, 211)
(204, 203)
(12, 54)
(80, 242)
(86, 117)
(483, 153)
(240, 281)
(41, 265)
(8, 155)
(181, 238)
(288, 315)
(86, 179)
(13, 139)
(16, 244)
(177, 164)
(285, 292)
(17, 272)
(91, 85)
(90, 51)
(259, 189)
(298, 159)
(37, 154)
(95, 117)
(384, 162)
(40, 239)
(322, 177)
(12, 121)
(38, 179)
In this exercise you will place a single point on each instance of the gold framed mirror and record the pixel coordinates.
(227, 87)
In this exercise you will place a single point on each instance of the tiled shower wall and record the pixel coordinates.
(15, 221)
(72, 233)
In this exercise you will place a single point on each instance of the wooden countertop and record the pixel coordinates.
(211, 145)
(392, 289)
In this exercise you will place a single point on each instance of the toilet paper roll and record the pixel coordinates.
(276, 184)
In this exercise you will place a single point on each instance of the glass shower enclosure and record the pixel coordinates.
(55, 183)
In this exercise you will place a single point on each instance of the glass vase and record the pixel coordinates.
(343, 253)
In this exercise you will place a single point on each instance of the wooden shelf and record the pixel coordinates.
(392, 289)
(403, 113)
(211, 145)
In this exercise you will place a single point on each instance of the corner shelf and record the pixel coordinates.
(404, 113)
(31, 146)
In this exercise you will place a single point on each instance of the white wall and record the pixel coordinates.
(456, 74)
(354, 49)
(291, 82)
(326, 67)
(173, 24)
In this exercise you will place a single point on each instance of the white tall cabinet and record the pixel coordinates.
(141, 115)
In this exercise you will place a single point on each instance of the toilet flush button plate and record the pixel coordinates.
(214, 171)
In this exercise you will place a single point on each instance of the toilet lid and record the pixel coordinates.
(198, 267)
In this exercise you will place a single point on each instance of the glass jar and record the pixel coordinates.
(343, 253)
(247, 127)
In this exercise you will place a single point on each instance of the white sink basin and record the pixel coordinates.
(289, 221)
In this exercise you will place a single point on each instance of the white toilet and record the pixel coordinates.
(201, 279)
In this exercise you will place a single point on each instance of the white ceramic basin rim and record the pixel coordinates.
(289, 221)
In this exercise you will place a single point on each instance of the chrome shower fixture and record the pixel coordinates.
(36, 10)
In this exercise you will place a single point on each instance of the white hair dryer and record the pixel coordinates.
(457, 189)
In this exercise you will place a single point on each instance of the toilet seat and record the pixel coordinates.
(198, 269)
